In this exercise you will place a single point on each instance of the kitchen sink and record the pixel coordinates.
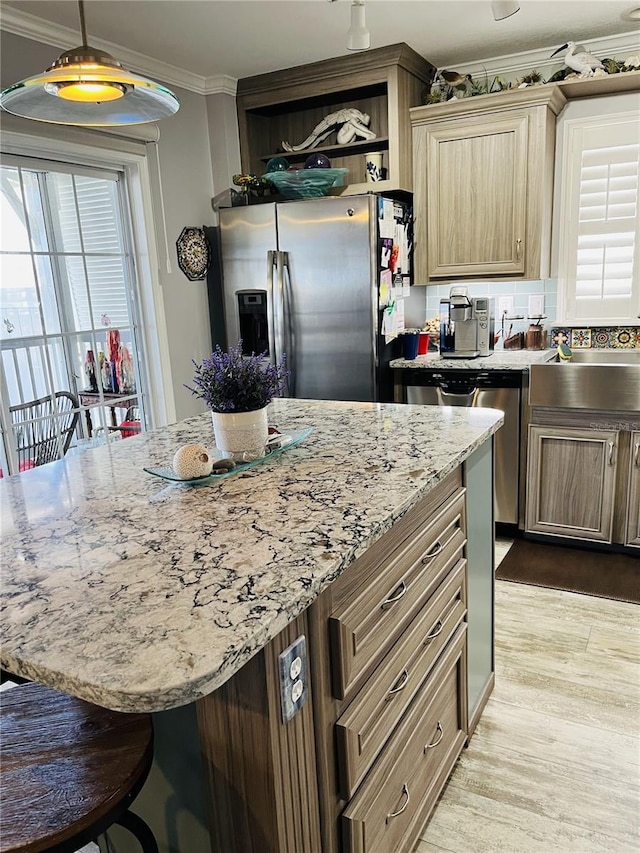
(600, 380)
(604, 356)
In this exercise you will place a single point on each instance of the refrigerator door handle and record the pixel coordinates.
(286, 324)
(271, 318)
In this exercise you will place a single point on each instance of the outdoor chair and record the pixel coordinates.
(43, 428)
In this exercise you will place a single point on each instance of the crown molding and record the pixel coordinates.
(515, 64)
(221, 84)
(37, 29)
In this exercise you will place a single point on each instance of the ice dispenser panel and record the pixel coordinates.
(252, 317)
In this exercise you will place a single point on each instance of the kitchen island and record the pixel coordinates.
(141, 595)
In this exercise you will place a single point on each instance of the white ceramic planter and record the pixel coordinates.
(240, 433)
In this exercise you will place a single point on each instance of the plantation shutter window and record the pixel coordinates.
(600, 242)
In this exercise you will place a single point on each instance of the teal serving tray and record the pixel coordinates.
(287, 442)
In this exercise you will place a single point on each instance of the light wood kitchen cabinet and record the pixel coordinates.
(571, 482)
(389, 810)
(483, 185)
(288, 105)
(394, 631)
(393, 688)
(632, 536)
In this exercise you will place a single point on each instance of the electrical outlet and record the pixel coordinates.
(293, 678)
(505, 306)
(536, 304)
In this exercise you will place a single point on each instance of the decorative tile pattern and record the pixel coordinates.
(625, 338)
(580, 338)
(618, 337)
(603, 338)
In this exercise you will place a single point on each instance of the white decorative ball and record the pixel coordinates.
(192, 460)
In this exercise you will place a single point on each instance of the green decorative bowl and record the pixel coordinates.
(306, 183)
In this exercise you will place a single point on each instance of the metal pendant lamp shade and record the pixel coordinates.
(504, 9)
(88, 87)
(358, 36)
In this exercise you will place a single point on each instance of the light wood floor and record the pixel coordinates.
(554, 764)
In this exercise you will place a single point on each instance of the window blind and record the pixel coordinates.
(607, 216)
(87, 225)
(599, 244)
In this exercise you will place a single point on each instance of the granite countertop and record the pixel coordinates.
(498, 360)
(142, 595)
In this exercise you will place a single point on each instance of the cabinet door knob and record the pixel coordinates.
(518, 250)
(405, 794)
(396, 596)
(439, 736)
(611, 445)
(636, 455)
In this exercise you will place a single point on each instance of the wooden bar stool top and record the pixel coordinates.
(70, 770)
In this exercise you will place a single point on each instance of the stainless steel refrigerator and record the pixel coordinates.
(303, 278)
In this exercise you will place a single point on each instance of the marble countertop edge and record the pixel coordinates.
(183, 686)
(498, 360)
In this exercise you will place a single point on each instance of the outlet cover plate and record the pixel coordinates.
(505, 306)
(536, 304)
(293, 678)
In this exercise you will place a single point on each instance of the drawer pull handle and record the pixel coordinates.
(400, 683)
(437, 548)
(611, 445)
(401, 589)
(636, 455)
(405, 794)
(437, 629)
(439, 736)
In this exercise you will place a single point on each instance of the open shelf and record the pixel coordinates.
(380, 143)
(287, 105)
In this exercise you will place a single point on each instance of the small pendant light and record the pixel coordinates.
(358, 36)
(504, 9)
(88, 87)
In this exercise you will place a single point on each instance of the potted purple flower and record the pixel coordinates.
(238, 388)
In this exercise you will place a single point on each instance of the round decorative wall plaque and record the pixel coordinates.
(194, 253)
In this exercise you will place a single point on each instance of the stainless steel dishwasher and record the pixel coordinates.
(494, 389)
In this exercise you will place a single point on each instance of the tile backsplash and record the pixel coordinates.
(599, 337)
(424, 303)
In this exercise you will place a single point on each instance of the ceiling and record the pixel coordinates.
(239, 38)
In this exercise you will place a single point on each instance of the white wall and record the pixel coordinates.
(187, 184)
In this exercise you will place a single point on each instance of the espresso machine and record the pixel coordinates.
(466, 324)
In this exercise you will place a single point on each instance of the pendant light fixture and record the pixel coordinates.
(88, 87)
(504, 9)
(358, 36)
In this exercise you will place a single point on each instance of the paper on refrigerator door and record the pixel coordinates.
(385, 287)
(389, 323)
(386, 222)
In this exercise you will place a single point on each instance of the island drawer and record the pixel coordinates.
(370, 719)
(404, 784)
(365, 625)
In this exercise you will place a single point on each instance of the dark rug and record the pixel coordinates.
(598, 573)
